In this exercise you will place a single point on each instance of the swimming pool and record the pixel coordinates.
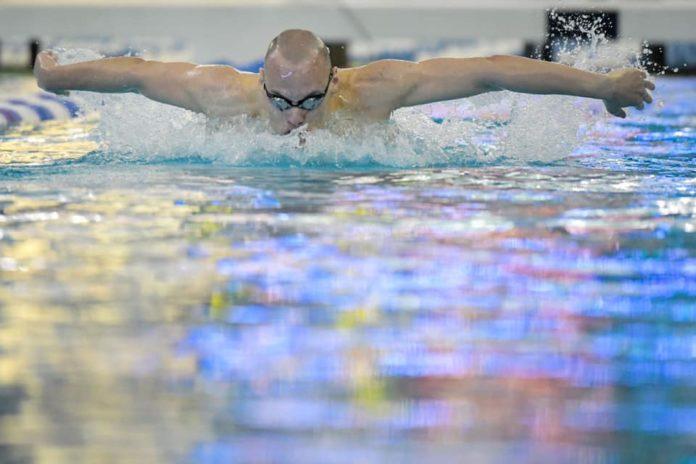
(174, 309)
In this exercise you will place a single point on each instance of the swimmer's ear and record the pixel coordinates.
(261, 74)
(334, 71)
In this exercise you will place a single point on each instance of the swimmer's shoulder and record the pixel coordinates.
(228, 91)
(221, 75)
(353, 88)
(372, 86)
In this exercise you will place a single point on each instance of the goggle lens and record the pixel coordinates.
(311, 103)
(280, 103)
(308, 104)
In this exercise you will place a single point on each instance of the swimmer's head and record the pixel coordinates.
(296, 75)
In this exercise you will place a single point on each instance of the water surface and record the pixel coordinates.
(201, 312)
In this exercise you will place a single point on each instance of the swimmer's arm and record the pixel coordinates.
(185, 85)
(619, 89)
(451, 78)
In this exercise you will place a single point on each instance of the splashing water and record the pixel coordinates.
(482, 129)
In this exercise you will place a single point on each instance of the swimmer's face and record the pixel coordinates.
(294, 90)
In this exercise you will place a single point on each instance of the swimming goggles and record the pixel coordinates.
(308, 103)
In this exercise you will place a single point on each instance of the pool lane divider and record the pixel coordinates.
(34, 109)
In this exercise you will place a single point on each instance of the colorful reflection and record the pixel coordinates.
(203, 313)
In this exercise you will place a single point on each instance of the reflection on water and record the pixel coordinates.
(203, 313)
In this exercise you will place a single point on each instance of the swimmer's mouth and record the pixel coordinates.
(293, 127)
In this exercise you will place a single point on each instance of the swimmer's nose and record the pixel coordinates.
(296, 116)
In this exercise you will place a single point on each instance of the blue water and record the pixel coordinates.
(194, 311)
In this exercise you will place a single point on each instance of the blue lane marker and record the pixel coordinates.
(72, 107)
(12, 116)
(43, 113)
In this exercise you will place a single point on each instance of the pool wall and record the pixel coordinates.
(240, 31)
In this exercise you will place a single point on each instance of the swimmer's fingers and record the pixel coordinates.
(647, 97)
(639, 101)
(615, 110)
(47, 59)
(649, 85)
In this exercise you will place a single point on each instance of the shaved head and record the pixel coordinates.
(297, 46)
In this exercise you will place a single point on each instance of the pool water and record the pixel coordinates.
(169, 311)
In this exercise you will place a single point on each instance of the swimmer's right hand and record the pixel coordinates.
(46, 62)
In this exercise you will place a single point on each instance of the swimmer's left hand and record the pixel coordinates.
(45, 65)
(627, 88)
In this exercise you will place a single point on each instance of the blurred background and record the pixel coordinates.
(238, 31)
(157, 308)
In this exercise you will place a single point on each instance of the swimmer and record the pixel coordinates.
(297, 85)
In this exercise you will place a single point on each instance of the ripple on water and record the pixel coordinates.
(530, 311)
